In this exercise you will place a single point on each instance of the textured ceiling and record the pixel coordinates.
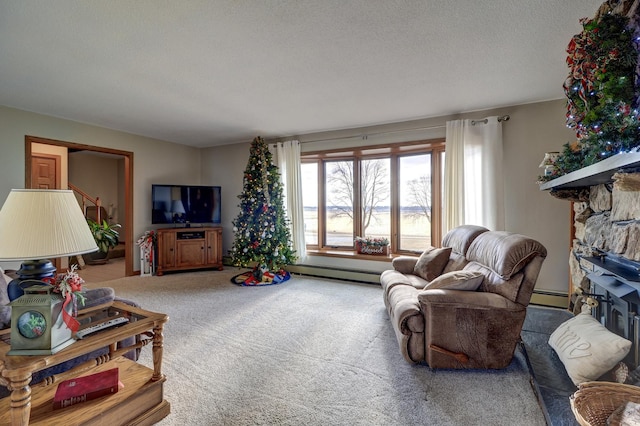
(205, 73)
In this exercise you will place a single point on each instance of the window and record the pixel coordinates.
(310, 202)
(375, 197)
(392, 191)
(339, 195)
(415, 202)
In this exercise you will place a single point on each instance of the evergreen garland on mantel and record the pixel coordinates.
(602, 92)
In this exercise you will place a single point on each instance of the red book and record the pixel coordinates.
(86, 388)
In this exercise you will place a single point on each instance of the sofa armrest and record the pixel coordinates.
(407, 321)
(127, 301)
(484, 327)
(404, 264)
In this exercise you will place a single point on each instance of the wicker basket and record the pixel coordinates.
(593, 402)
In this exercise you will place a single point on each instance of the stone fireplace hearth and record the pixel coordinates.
(604, 259)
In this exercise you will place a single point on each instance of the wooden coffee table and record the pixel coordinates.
(141, 401)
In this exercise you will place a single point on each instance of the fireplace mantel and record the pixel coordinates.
(595, 174)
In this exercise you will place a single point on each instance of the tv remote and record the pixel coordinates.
(101, 326)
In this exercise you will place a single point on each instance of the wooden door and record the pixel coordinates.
(45, 171)
(45, 174)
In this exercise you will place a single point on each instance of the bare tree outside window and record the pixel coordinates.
(420, 197)
(415, 189)
(340, 179)
(339, 203)
(375, 194)
(374, 184)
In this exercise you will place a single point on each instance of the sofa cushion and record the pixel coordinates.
(391, 278)
(586, 348)
(404, 264)
(503, 252)
(494, 283)
(457, 280)
(455, 263)
(432, 262)
(461, 237)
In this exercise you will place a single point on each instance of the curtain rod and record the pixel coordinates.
(485, 120)
(388, 132)
(366, 136)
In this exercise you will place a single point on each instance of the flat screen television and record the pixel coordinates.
(185, 204)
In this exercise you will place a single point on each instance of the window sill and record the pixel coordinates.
(350, 254)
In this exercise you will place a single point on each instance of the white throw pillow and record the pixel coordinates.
(457, 280)
(586, 348)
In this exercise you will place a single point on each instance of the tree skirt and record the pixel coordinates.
(268, 278)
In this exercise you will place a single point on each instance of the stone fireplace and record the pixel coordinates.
(604, 259)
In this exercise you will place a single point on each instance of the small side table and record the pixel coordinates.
(140, 401)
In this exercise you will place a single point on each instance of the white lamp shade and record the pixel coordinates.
(177, 207)
(42, 224)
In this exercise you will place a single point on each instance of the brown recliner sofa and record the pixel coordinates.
(468, 310)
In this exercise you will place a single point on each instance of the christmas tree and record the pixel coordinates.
(262, 235)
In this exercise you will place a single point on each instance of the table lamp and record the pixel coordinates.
(177, 208)
(38, 224)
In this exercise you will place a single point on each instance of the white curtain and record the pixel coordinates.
(474, 181)
(288, 157)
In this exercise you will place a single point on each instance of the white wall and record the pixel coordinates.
(534, 130)
(224, 166)
(155, 161)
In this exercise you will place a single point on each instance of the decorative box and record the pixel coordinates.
(375, 250)
(37, 325)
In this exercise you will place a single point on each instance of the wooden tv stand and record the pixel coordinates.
(189, 248)
(139, 402)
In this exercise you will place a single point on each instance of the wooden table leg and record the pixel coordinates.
(20, 400)
(158, 339)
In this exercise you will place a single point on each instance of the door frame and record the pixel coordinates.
(128, 184)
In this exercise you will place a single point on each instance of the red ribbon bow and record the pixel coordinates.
(68, 319)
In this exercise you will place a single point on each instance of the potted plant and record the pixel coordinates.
(106, 236)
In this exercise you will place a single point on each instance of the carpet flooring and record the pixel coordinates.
(309, 351)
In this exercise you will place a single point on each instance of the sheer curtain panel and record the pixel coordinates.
(453, 176)
(474, 181)
(288, 156)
